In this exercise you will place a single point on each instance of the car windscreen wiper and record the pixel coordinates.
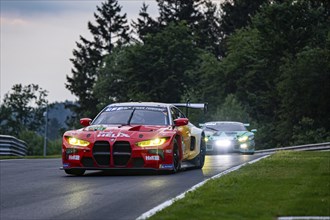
(130, 117)
(212, 128)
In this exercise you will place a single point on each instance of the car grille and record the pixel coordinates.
(101, 153)
(121, 153)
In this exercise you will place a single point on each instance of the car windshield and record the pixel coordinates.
(136, 115)
(222, 126)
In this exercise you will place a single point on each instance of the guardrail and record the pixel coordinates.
(11, 146)
(306, 147)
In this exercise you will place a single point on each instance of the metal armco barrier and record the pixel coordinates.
(11, 146)
(306, 147)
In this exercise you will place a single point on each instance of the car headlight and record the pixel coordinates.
(244, 146)
(206, 139)
(243, 138)
(77, 142)
(152, 143)
(223, 143)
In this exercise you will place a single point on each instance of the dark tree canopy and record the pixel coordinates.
(111, 30)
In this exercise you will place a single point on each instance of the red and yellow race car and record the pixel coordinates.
(134, 135)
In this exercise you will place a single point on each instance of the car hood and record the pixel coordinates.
(95, 132)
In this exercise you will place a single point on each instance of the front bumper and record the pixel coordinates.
(231, 146)
(103, 155)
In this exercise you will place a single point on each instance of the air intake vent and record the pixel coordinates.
(121, 153)
(101, 153)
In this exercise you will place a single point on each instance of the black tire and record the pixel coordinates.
(176, 157)
(200, 159)
(75, 172)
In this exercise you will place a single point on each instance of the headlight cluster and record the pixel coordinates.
(152, 143)
(243, 138)
(77, 142)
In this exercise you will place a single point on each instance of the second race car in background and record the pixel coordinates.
(228, 137)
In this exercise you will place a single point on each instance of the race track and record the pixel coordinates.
(37, 189)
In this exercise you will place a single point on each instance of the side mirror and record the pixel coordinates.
(85, 121)
(254, 130)
(181, 122)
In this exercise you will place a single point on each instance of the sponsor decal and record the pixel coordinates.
(152, 157)
(74, 157)
(96, 128)
(166, 166)
(150, 108)
(168, 151)
(110, 134)
(66, 165)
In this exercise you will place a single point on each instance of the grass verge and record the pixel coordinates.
(29, 157)
(284, 184)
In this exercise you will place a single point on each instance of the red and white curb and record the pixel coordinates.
(167, 203)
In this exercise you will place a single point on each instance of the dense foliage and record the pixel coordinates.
(23, 115)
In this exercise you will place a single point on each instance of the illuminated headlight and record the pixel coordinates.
(243, 138)
(77, 142)
(244, 146)
(206, 139)
(223, 143)
(152, 143)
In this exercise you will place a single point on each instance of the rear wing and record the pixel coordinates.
(188, 105)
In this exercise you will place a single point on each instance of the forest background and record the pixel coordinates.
(263, 62)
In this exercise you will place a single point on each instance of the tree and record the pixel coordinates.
(200, 16)
(154, 71)
(303, 90)
(208, 29)
(231, 110)
(111, 30)
(277, 63)
(179, 10)
(234, 15)
(23, 109)
(145, 24)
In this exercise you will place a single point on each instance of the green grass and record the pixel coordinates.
(29, 157)
(284, 184)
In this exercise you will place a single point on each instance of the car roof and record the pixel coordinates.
(151, 104)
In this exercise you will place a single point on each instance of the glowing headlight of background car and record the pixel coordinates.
(152, 143)
(77, 142)
(244, 146)
(223, 143)
(243, 138)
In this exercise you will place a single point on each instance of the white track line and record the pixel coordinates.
(304, 218)
(182, 195)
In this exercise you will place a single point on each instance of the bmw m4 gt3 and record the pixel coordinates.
(133, 135)
(226, 137)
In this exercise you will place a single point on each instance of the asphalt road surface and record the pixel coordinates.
(37, 189)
